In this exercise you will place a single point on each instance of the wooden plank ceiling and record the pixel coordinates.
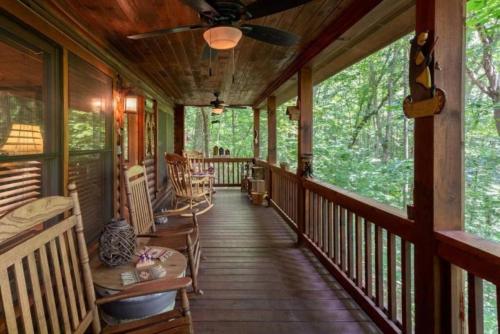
(174, 61)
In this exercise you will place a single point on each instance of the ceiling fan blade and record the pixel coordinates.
(261, 8)
(206, 53)
(202, 7)
(269, 35)
(160, 32)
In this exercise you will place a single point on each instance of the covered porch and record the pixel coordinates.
(255, 279)
(88, 94)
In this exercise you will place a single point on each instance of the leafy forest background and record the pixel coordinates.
(362, 141)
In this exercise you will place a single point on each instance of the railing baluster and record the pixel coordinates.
(350, 246)
(336, 233)
(319, 236)
(330, 222)
(475, 309)
(379, 275)
(406, 286)
(359, 254)
(326, 245)
(307, 208)
(343, 248)
(391, 275)
(368, 259)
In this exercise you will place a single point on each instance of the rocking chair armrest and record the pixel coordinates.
(147, 288)
(176, 212)
(173, 233)
(168, 233)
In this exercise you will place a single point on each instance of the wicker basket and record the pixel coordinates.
(117, 243)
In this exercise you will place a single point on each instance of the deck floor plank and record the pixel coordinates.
(257, 281)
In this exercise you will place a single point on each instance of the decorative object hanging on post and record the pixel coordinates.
(293, 113)
(425, 99)
(306, 165)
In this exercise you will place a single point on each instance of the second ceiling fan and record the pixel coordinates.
(222, 22)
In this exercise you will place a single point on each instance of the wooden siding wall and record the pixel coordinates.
(92, 167)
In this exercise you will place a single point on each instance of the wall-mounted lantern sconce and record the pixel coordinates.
(131, 104)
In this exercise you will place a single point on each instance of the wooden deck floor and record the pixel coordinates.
(257, 281)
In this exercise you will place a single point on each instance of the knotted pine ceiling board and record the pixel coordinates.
(174, 61)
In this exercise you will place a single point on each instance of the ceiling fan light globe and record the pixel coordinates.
(217, 110)
(222, 37)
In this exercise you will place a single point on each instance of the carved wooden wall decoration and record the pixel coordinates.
(425, 99)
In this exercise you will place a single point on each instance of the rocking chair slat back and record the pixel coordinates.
(180, 174)
(45, 281)
(196, 160)
(140, 209)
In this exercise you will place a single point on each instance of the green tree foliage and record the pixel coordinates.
(286, 136)
(232, 130)
(362, 141)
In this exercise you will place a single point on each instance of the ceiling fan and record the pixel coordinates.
(222, 22)
(219, 105)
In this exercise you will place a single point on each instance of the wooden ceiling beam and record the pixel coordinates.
(350, 15)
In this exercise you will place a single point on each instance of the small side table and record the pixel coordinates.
(107, 280)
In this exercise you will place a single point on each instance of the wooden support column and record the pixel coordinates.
(178, 129)
(65, 122)
(305, 104)
(271, 130)
(438, 190)
(256, 133)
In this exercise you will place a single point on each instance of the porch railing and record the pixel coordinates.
(228, 171)
(369, 248)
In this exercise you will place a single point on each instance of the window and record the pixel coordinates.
(29, 115)
(362, 141)
(90, 126)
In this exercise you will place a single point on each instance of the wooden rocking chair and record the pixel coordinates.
(190, 190)
(196, 161)
(51, 288)
(184, 238)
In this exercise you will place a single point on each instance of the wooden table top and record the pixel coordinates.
(110, 277)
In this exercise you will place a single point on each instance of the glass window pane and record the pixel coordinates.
(21, 101)
(90, 106)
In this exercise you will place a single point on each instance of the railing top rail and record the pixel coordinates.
(227, 159)
(392, 219)
(470, 252)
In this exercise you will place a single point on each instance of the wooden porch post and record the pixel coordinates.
(256, 133)
(438, 190)
(178, 129)
(271, 130)
(305, 149)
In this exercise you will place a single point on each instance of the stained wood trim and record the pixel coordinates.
(305, 103)
(351, 14)
(53, 21)
(478, 256)
(271, 130)
(179, 129)
(387, 217)
(377, 315)
(438, 165)
(65, 121)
